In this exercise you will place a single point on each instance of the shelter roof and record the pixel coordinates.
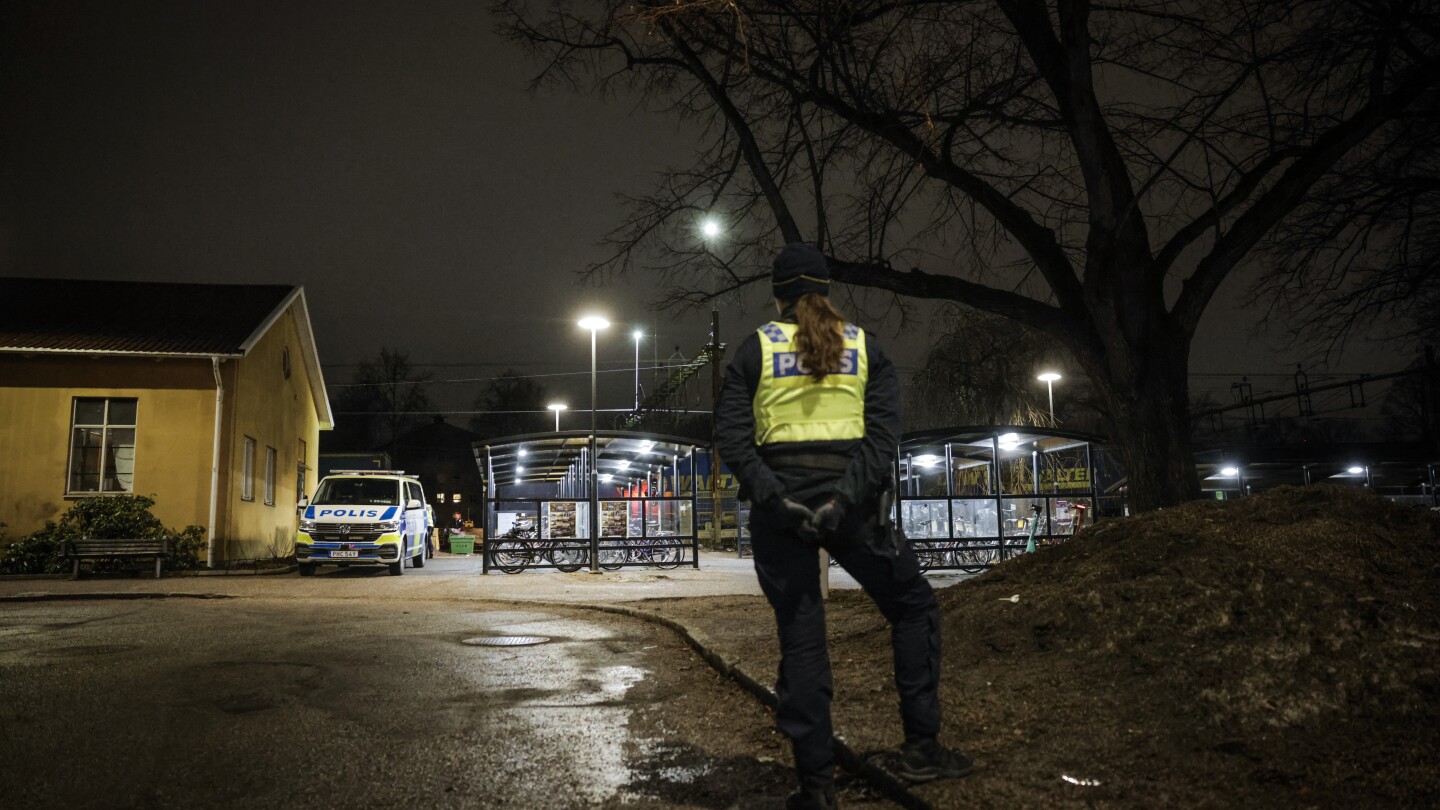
(984, 439)
(538, 457)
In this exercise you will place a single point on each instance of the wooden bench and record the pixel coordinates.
(88, 549)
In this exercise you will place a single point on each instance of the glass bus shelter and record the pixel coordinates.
(539, 507)
(971, 497)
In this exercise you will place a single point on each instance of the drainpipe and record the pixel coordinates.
(210, 554)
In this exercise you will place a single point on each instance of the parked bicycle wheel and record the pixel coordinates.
(652, 551)
(611, 559)
(569, 555)
(511, 556)
(931, 553)
(974, 559)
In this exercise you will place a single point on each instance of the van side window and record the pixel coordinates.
(412, 492)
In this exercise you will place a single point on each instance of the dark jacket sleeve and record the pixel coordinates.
(735, 426)
(870, 468)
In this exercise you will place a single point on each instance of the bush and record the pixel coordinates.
(107, 517)
(38, 553)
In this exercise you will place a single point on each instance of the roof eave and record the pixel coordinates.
(118, 353)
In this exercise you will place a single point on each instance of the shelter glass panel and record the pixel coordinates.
(924, 520)
(669, 518)
(517, 519)
(1022, 513)
(975, 517)
(1069, 514)
(971, 475)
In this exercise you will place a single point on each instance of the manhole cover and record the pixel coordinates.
(505, 641)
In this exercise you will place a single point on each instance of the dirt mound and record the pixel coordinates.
(1275, 649)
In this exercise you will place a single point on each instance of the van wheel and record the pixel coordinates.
(307, 569)
(419, 561)
(398, 567)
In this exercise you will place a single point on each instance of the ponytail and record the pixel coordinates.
(818, 340)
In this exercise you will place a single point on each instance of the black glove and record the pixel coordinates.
(825, 521)
(795, 514)
(796, 510)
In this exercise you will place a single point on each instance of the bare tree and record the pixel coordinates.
(1364, 248)
(981, 371)
(385, 397)
(502, 398)
(1094, 172)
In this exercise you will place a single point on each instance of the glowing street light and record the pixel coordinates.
(710, 228)
(557, 407)
(594, 323)
(1050, 378)
(638, 334)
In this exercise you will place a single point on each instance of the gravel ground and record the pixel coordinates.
(1278, 651)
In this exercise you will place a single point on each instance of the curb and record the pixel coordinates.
(200, 572)
(893, 789)
(85, 597)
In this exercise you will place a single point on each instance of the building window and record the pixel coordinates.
(247, 471)
(269, 476)
(439, 497)
(102, 446)
(300, 469)
(455, 498)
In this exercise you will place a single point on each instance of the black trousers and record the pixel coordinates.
(789, 572)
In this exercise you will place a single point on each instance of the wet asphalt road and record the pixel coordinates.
(267, 702)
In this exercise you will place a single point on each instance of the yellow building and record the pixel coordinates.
(206, 397)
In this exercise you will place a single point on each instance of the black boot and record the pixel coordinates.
(927, 760)
(811, 799)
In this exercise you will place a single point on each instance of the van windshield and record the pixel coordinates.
(357, 492)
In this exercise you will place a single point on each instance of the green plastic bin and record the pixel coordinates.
(462, 545)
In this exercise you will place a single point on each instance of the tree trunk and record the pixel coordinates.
(1149, 424)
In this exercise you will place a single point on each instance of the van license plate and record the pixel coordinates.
(345, 552)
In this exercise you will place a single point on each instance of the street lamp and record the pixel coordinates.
(1049, 378)
(594, 323)
(710, 228)
(557, 407)
(638, 335)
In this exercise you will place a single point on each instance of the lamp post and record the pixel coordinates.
(638, 335)
(1049, 378)
(557, 407)
(594, 323)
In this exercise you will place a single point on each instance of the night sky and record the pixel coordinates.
(385, 155)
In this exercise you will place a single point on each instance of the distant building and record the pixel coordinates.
(439, 454)
(206, 397)
(375, 460)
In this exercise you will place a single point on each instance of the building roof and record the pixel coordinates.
(152, 319)
(128, 317)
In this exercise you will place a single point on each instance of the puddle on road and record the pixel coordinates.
(568, 694)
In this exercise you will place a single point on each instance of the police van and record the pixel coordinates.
(364, 517)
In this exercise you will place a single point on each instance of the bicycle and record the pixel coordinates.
(520, 550)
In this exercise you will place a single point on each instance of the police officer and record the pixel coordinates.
(808, 421)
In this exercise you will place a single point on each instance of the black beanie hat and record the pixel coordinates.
(799, 269)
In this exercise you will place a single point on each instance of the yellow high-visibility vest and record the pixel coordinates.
(792, 406)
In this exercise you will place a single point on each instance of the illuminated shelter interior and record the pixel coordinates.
(972, 496)
(538, 489)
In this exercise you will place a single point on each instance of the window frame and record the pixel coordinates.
(105, 427)
(247, 470)
(270, 459)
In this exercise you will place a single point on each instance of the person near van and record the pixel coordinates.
(808, 421)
